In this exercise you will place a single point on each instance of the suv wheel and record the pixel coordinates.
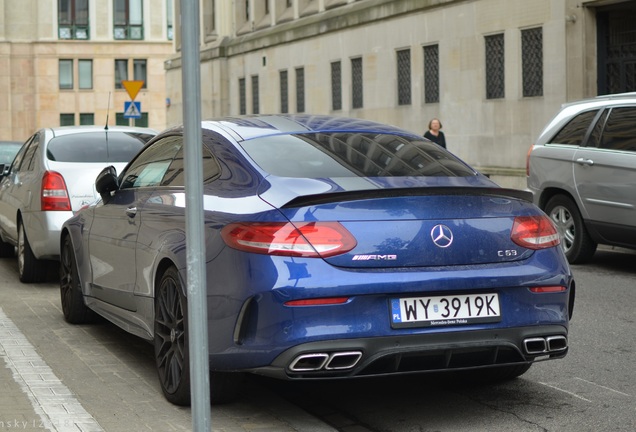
(575, 240)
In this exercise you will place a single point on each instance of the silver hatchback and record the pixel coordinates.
(50, 179)
(582, 171)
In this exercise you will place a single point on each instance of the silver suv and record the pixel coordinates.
(582, 171)
(51, 178)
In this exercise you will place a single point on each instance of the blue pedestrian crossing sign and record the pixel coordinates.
(132, 110)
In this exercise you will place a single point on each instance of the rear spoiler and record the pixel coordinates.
(332, 197)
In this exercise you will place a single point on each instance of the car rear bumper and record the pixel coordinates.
(348, 358)
(43, 232)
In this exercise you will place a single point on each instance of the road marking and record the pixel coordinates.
(565, 391)
(603, 387)
(52, 401)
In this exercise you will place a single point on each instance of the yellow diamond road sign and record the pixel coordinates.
(132, 87)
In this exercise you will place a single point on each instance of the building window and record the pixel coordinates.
(139, 71)
(284, 92)
(209, 19)
(356, 83)
(532, 61)
(121, 72)
(66, 74)
(169, 16)
(404, 77)
(495, 79)
(336, 85)
(67, 119)
(431, 74)
(242, 103)
(300, 90)
(72, 19)
(87, 119)
(85, 73)
(255, 101)
(128, 22)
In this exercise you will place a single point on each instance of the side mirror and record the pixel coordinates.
(107, 182)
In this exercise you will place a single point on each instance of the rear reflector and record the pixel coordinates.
(304, 239)
(548, 289)
(534, 232)
(318, 302)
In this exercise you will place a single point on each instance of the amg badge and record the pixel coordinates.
(374, 257)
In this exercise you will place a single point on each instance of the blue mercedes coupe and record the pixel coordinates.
(335, 248)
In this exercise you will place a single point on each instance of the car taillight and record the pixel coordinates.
(528, 160)
(534, 232)
(303, 239)
(54, 195)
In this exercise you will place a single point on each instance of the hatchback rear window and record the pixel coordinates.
(103, 146)
(346, 154)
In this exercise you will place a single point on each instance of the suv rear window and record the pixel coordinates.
(103, 146)
(349, 154)
(573, 133)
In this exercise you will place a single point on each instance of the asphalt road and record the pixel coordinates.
(109, 378)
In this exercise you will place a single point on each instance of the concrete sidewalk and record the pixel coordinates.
(59, 377)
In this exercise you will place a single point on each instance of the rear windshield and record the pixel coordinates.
(102, 146)
(347, 154)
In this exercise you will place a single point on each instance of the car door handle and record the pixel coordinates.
(582, 161)
(131, 212)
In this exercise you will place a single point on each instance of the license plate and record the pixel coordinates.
(445, 310)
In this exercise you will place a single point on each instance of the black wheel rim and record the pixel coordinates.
(170, 343)
(67, 280)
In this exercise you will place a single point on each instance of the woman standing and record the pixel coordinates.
(434, 132)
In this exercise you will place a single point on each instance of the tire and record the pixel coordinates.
(575, 239)
(30, 269)
(71, 297)
(171, 339)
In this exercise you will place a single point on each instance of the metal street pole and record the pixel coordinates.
(195, 243)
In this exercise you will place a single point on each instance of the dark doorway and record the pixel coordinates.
(616, 48)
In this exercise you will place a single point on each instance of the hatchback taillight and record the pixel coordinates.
(534, 232)
(304, 239)
(54, 195)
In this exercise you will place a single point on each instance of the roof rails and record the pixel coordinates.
(617, 96)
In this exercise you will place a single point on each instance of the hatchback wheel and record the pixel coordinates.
(73, 307)
(30, 269)
(575, 240)
(171, 339)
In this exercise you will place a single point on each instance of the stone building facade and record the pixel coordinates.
(493, 71)
(62, 62)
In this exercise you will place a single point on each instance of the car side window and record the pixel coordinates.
(595, 136)
(149, 168)
(24, 155)
(175, 176)
(574, 132)
(620, 130)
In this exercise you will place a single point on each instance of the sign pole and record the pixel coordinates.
(195, 235)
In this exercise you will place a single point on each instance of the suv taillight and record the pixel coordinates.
(528, 160)
(534, 232)
(54, 194)
(301, 239)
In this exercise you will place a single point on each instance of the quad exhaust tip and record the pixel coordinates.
(313, 362)
(545, 345)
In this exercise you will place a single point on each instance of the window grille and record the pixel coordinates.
(284, 92)
(495, 83)
(255, 101)
(300, 90)
(431, 74)
(356, 83)
(336, 86)
(242, 103)
(404, 77)
(72, 19)
(532, 61)
(128, 19)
